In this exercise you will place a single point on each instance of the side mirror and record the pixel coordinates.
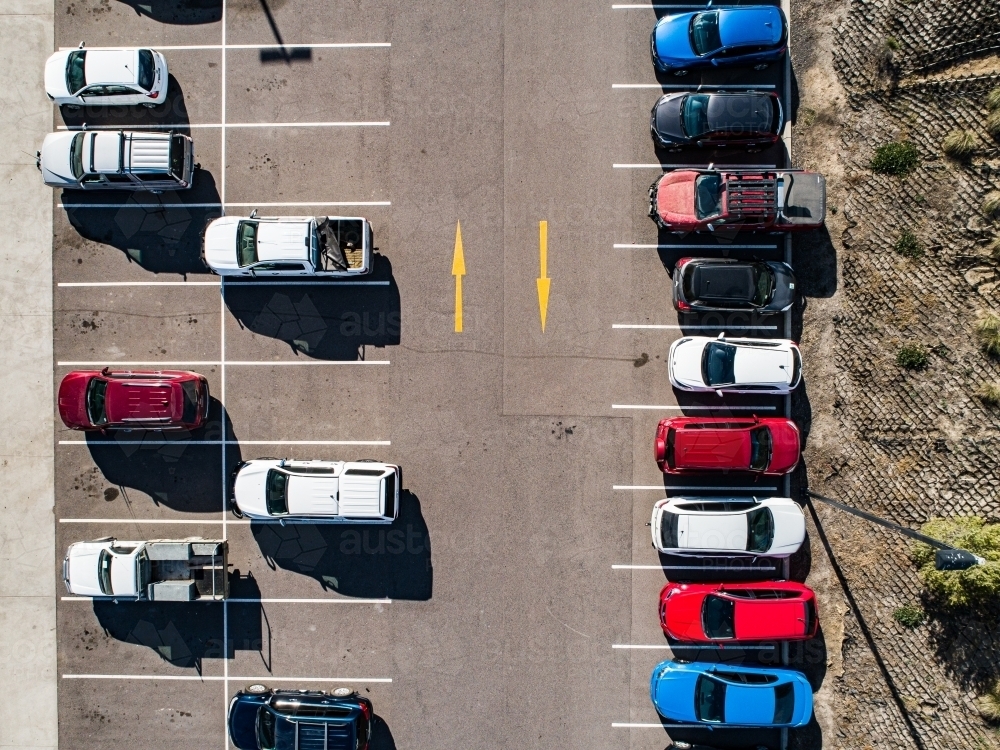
(81, 45)
(710, 227)
(721, 336)
(105, 371)
(719, 393)
(253, 214)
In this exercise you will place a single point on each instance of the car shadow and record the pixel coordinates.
(381, 738)
(810, 657)
(172, 114)
(160, 233)
(184, 634)
(814, 259)
(182, 471)
(712, 569)
(358, 560)
(182, 12)
(326, 320)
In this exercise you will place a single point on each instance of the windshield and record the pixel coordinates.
(76, 155)
(178, 152)
(265, 729)
(784, 703)
(246, 243)
(143, 571)
(710, 699)
(75, 78)
(718, 363)
(760, 448)
(708, 196)
(147, 69)
(104, 572)
(760, 533)
(277, 498)
(765, 284)
(694, 117)
(95, 401)
(718, 617)
(705, 33)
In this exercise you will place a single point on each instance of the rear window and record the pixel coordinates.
(760, 533)
(276, 493)
(707, 196)
(178, 156)
(365, 472)
(668, 530)
(718, 364)
(191, 402)
(710, 699)
(390, 496)
(764, 284)
(76, 79)
(718, 617)
(147, 70)
(246, 243)
(96, 391)
(784, 703)
(760, 448)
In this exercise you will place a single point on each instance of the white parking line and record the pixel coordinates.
(645, 6)
(228, 442)
(159, 206)
(228, 125)
(720, 407)
(344, 600)
(216, 363)
(626, 246)
(690, 166)
(633, 725)
(332, 283)
(135, 283)
(322, 45)
(681, 567)
(633, 646)
(692, 87)
(681, 487)
(220, 678)
(658, 327)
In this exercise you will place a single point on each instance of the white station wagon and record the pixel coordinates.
(106, 76)
(701, 363)
(287, 490)
(728, 526)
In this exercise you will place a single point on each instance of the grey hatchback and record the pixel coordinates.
(749, 119)
(729, 285)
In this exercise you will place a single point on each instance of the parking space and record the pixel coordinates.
(515, 595)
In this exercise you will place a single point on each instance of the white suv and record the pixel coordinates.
(728, 525)
(106, 76)
(701, 363)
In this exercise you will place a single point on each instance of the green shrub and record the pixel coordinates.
(989, 394)
(912, 357)
(993, 100)
(908, 245)
(961, 588)
(892, 43)
(897, 158)
(991, 203)
(993, 123)
(908, 616)
(959, 144)
(988, 331)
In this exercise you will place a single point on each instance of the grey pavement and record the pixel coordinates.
(27, 591)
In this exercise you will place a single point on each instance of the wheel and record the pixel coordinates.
(761, 66)
(342, 692)
(149, 105)
(256, 689)
(681, 745)
(235, 508)
(366, 461)
(680, 72)
(72, 107)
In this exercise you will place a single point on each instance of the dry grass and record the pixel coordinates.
(959, 144)
(993, 100)
(994, 249)
(991, 203)
(989, 704)
(989, 394)
(988, 331)
(993, 123)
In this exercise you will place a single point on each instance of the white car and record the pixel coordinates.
(701, 363)
(726, 526)
(287, 490)
(106, 76)
(288, 246)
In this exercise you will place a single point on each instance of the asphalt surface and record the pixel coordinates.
(490, 618)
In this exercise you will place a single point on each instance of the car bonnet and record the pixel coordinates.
(675, 196)
(685, 362)
(83, 569)
(249, 488)
(789, 527)
(220, 242)
(55, 74)
(672, 39)
(672, 690)
(55, 164)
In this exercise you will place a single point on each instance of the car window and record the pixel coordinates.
(265, 729)
(178, 155)
(91, 179)
(668, 530)
(190, 389)
(747, 678)
(784, 703)
(104, 572)
(277, 493)
(93, 91)
(704, 33)
(118, 178)
(76, 155)
(764, 284)
(707, 196)
(671, 440)
(76, 78)
(96, 391)
(246, 243)
(710, 699)
(718, 363)
(760, 448)
(279, 267)
(718, 617)
(118, 91)
(694, 115)
(154, 177)
(390, 495)
(761, 530)
(147, 69)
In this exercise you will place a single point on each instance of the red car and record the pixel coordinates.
(734, 612)
(699, 444)
(130, 399)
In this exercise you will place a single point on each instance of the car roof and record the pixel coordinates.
(282, 240)
(111, 66)
(762, 365)
(769, 618)
(724, 281)
(749, 112)
(749, 704)
(754, 25)
(143, 400)
(707, 448)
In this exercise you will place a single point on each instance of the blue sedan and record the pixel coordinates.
(727, 695)
(751, 35)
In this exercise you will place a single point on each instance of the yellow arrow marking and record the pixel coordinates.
(543, 279)
(458, 271)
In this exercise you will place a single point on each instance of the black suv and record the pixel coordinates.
(727, 285)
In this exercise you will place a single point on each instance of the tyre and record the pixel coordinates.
(680, 72)
(256, 689)
(366, 461)
(148, 105)
(681, 745)
(342, 692)
(761, 66)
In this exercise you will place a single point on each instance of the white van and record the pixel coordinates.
(288, 490)
(123, 160)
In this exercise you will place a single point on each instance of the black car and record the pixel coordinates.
(724, 284)
(749, 119)
(264, 719)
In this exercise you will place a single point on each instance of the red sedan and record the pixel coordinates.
(132, 399)
(734, 612)
(699, 444)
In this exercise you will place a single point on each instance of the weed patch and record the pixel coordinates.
(898, 158)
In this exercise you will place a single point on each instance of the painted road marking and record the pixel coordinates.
(682, 87)
(249, 282)
(158, 206)
(631, 646)
(458, 271)
(332, 283)
(689, 567)
(228, 125)
(216, 363)
(325, 45)
(625, 246)
(720, 407)
(136, 283)
(689, 166)
(226, 442)
(662, 487)
(345, 600)
(542, 282)
(658, 327)
(220, 678)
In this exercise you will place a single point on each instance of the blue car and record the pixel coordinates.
(751, 35)
(263, 719)
(727, 695)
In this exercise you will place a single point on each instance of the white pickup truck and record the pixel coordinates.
(288, 246)
(268, 489)
(162, 570)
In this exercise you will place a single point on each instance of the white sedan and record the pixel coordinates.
(106, 76)
(726, 526)
(704, 364)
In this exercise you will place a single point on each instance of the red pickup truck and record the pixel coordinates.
(700, 200)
